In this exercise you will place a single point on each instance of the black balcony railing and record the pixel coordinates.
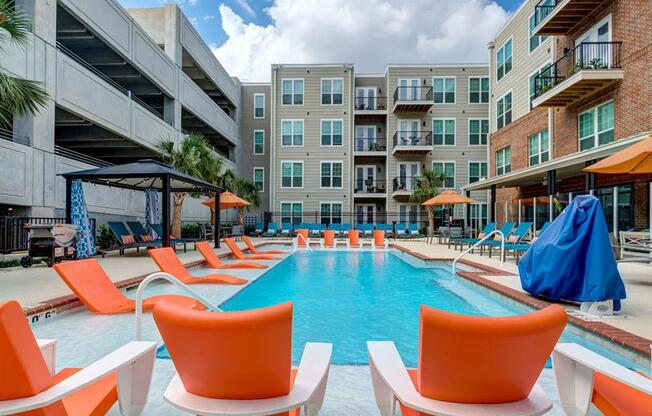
(14, 236)
(543, 9)
(373, 144)
(369, 186)
(413, 138)
(407, 183)
(413, 93)
(9, 135)
(585, 56)
(368, 103)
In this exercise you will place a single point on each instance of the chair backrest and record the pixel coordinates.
(414, 228)
(259, 226)
(158, 229)
(329, 237)
(245, 355)
(302, 237)
(205, 249)
(234, 248)
(88, 280)
(545, 227)
(379, 238)
(137, 229)
(23, 368)
(286, 227)
(478, 359)
(118, 229)
(401, 228)
(354, 237)
(272, 226)
(336, 227)
(167, 260)
(489, 228)
(507, 229)
(522, 229)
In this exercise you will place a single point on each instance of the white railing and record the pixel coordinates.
(296, 243)
(171, 279)
(482, 240)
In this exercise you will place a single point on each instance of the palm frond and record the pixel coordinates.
(16, 24)
(428, 186)
(19, 96)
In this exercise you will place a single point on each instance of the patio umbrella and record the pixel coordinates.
(227, 200)
(448, 197)
(636, 159)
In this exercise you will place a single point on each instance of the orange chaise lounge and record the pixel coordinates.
(379, 239)
(469, 365)
(354, 239)
(168, 262)
(30, 385)
(254, 250)
(248, 368)
(215, 262)
(239, 255)
(329, 239)
(303, 239)
(90, 283)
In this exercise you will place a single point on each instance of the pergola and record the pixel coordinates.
(142, 175)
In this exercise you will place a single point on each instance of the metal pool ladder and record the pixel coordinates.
(168, 277)
(482, 240)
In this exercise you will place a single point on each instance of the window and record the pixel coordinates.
(504, 60)
(292, 132)
(291, 174)
(331, 212)
(539, 144)
(331, 132)
(259, 178)
(443, 90)
(331, 174)
(291, 213)
(477, 171)
(504, 160)
(259, 105)
(478, 90)
(259, 142)
(292, 91)
(332, 91)
(478, 217)
(545, 79)
(504, 110)
(408, 213)
(443, 132)
(596, 126)
(535, 40)
(448, 170)
(478, 132)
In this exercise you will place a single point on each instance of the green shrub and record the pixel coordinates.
(105, 239)
(9, 263)
(190, 230)
(249, 229)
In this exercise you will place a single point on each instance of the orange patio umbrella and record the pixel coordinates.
(227, 200)
(448, 197)
(636, 159)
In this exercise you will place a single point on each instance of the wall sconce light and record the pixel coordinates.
(424, 124)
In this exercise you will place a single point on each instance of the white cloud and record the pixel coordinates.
(193, 2)
(209, 17)
(246, 7)
(194, 21)
(368, 33)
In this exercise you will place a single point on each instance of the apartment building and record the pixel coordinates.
(570, 84)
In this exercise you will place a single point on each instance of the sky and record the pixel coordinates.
(248, 35)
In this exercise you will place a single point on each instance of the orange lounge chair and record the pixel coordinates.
(215, 262)
(90, 283)
(29, 384)
(354, 238)
(379, 239)
(469, 365)
(302, 237)
(254, 250)
(168, 262)
(248, 367)
(329, 239)
(239, 255)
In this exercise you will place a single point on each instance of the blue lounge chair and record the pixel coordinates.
(346, 228)
(272, 230)
(401, 230)
(516, 235)
(386, 228)
(368, 230)
(315, 229)
(522, 247)
(506, 230)
(413, 230)
(258, 229)
(158, 229)
(490, 227)
(337, 228)
(119, 230)
(286, 229)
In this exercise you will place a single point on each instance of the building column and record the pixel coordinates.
(589, 179)
(492, 207)
(552, 191)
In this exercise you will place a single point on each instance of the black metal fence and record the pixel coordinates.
(353, 218)
(370, 144)
(413, 93)
(14, 236)
(413, 138)
(406, 183)
(369, 186)
(371, 102)
(543, 9)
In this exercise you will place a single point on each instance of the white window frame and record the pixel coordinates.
(303, 95)
(542, 39)
(321, 91)
(303, 132)
(253, 177)
(303, 176)
(443, 120)
(540, 151)
(469, 131)
(480, 77)
(503, 166)
(504, 112)
(443, 163)
(468, 171)
(444, 78)
(331, 203)
(498, 79)
(407, 213)
(263, 132)
(331, 162)
(409, 81)
(365, 97)
(292, 203)
(596, 133)
(321, 132)
(260, 95)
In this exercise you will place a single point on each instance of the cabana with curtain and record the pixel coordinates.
(145, 175)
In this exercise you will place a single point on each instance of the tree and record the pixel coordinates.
(243, 188)
(194, 157)
(18, 96)
(428, 186)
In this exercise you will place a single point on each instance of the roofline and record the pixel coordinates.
(324, 65)
(256, 84)
(509, 21)
(379, 75)
(447, 65)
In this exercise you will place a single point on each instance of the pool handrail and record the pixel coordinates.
(305, 241)
(482, 240)
(171, 279)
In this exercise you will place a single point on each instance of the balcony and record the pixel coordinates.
(403, 186)
(588, 68)
(369, 188)
(370, 107)
(559, 17)
(412, 99)
(375, 146)
(412, 143)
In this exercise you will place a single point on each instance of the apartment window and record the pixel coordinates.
(504, 110)
(443, 132)
(331, 132)
(477, 171)
(259, 142)
(545, 79)
(331, 212)
(596, 126)
(504, 60)
(539, 147)
(504, 160)
(292, 132)
(331, 174)
(291, 174)
(447, 169)
(259, 178)
(259, 105)
(535, 40)
(291, 213)
(408, 213)
(292, 91)
(478, 90)
(478, 132)
(443, 90)
(332, 91)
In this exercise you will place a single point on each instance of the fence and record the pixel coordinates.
(13, 235)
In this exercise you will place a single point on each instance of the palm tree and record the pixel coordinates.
(428, 186)
(243, 188)
(18, 96)
(194, 157)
